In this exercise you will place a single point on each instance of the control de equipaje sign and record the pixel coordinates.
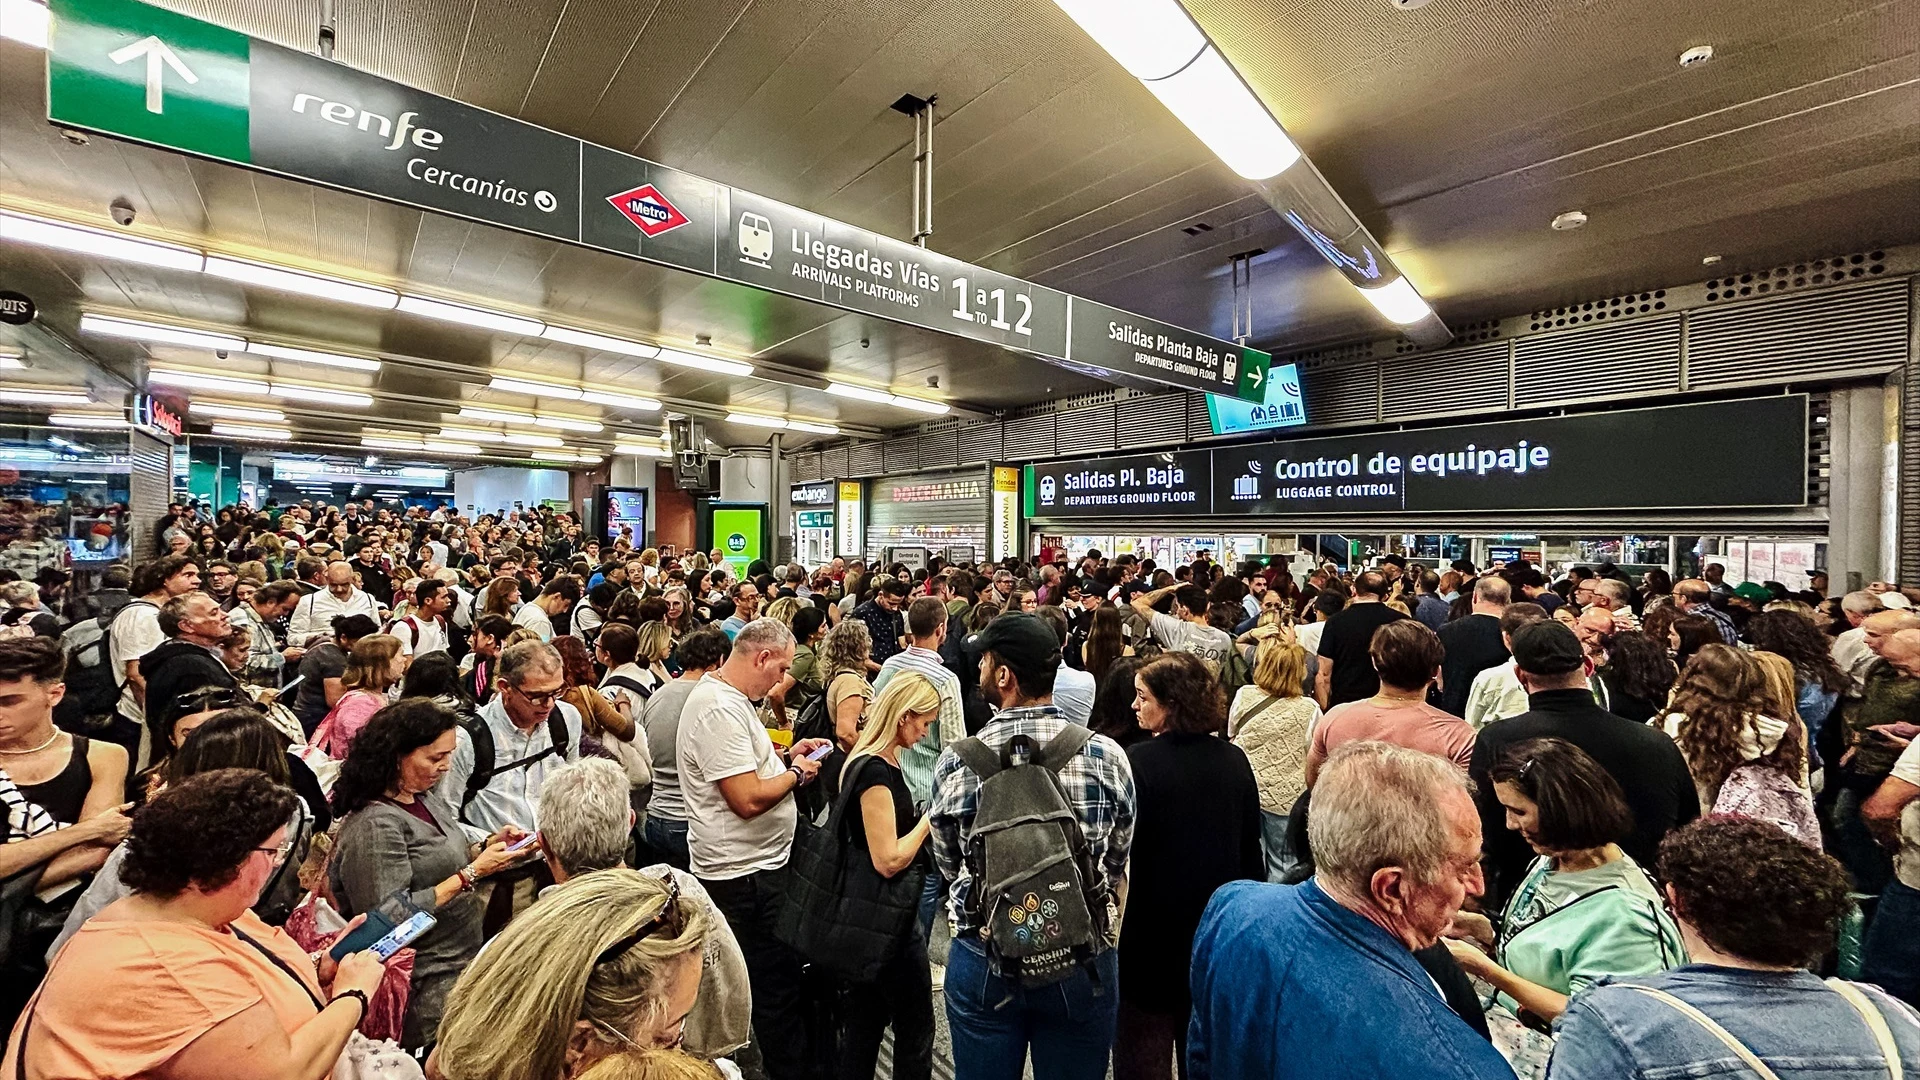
(1718, 455)
(140, 72)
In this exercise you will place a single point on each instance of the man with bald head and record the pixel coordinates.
(1694, 597)
(315, 612)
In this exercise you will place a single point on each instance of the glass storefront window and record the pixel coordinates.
(63, 506)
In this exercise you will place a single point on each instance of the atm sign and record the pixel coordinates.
(649, 210)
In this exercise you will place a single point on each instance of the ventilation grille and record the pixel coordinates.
(1332, 354)
(866, 459)
(1803, 275)
(1053, 405)
(1342, 395)
(1437, 383)
(1842, 331)
(1029, 437)
(980, 443)
(1468, 334)
(834, 464)
(1593, 311)
(1602, 362)
(1151, 421)
(940, 450)
(1199, 424)
(1086, 431)
(804, 468)
(901, 455)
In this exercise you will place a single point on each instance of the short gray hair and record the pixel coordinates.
(586, 815)
(771, 635)
(1377, 805)
(1861, 602)
(527, 657)
(1615, 589)
(17, 593)
(1489, 589)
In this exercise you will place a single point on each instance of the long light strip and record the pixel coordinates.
(24, 21)
(817, 429)
(86, 240)
(88, 421)
(761, 420)
(134, 330)
(236, 412)
(1398, 301)
(479, 318)
(294, 392)
(385, 442)
(642, 451)
(621, 401)
(860, 393)
(476, 435)
(27, 395)
(533, 389)
(200, 381)
(301, 282)
(517, 438)
(567, 423)
(460, 449)
(601, 342)
(498, 416)
(309, 356)
(713, 364)
(252, 431)
(901, 401)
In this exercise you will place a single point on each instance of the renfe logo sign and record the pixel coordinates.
(649, 210)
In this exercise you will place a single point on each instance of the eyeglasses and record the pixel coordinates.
(279, 853)
(661, 918)
(539, 697)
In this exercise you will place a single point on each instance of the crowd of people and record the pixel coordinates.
(616, 811)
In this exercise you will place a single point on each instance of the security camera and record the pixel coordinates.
(122, 211)
(221, 353)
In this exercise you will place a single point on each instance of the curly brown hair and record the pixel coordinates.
(1187, 690)
(1754, 892)
(200, 831)
(1719, 693)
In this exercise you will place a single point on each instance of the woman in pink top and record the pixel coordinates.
(373, 666)
(1407, 657)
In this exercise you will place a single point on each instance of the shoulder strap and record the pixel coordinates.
(1265, 703)
(274, 959)
(1876, 1023)
(557, 730)
(628, 682)
(978, 756)
(1746, 1056)
(1062, 747)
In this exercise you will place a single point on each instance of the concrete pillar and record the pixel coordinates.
(1862, 503)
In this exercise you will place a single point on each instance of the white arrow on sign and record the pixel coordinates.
(1255, 376)
(157, 54)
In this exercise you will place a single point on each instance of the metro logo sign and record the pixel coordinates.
(649, 210)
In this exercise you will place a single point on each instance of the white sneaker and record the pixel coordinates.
(939, 976)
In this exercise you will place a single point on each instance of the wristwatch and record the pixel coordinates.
(799, 777)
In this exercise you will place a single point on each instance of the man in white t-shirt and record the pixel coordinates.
(134, 633)
(538, 614)
(740, 819)
(424, 629)
(1187, 629)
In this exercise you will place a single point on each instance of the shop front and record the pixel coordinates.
(813, 514)
(951, 514)
(1672, 486)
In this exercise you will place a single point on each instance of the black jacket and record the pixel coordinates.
(172, 669)
(1473, 645)
(1644, 762)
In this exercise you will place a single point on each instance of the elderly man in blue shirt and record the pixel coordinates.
(1319, 979)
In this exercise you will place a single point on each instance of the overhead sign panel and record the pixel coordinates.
(139, 72)
(1147, 485)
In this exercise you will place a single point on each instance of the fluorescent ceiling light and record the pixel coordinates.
(1152, 39)
(705, 363)
(919, 404)
(808, 425)
(198, 381)
(501, 416)
(567, 423)
(421, 472)
(620, 401)
(87, 421)
(86, 240)
(463, 449)
(1209, 97)
(588, 459)
(601, 342)
(755, 420)
(863, 393)
(308, 356)
(480, 318)
(327, 397)
(317, 286)
(26, 395)
(1398, 301)
(536, 389)
(251, 431)
(643, 451)
(519, 439)
(111, 326)
(472, 435)
(25, 21)
(236, 412)
(379, 443)
(12, 359)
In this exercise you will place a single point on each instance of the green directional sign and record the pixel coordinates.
(1252, 383)
(149, 74)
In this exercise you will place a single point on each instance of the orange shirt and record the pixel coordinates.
(124, 997)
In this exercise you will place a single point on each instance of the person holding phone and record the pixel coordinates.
(401, 850)
(181, 980)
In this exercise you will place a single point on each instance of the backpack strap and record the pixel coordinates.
(628, 682)
(1063, 747)
(1876, 1023)
(978, 756)
(1746, 1056)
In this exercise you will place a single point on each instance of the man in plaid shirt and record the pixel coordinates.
(1068, 1025)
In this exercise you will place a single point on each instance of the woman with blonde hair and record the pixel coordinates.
(1272, 719)
(893, 838)
(1732, 714)
(782, 611)
(649, 566)
(374, 665)
(653, 1065)
(608, 962)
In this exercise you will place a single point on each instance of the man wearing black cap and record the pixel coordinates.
(1018, 655)
(1645, 763)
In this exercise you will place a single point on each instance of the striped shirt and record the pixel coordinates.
(917, 761)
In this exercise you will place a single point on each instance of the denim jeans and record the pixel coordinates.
(1069, 1026)
(668, 839)
(1891, 955)
(933, 897)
